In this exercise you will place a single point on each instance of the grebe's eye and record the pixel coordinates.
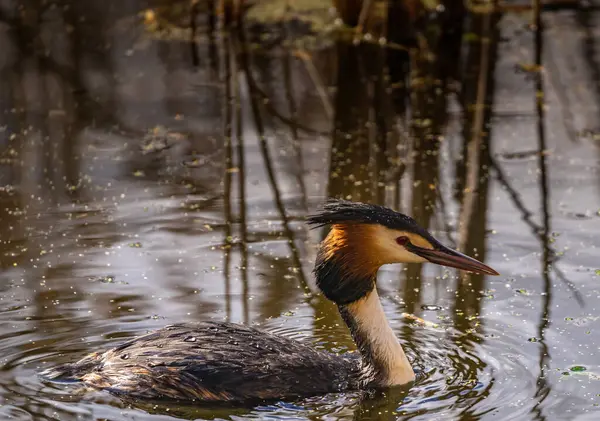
(402, 241)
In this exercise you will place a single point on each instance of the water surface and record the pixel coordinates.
(146, 179)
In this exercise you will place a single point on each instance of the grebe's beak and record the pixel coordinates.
(444, 256)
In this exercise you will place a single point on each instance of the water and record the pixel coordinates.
(137, 191)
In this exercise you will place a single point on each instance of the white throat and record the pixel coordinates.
(377, 342)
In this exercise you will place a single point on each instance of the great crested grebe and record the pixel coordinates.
(217, 361)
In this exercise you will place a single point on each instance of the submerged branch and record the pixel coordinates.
(316, 78)
(289, 93)
(367, 5)
(241, 187)
(227, 125)
(286, 120)
(264, 147)
(537, 230)
(474, 147)
(543, 386)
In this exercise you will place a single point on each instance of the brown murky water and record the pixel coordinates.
(146, 179)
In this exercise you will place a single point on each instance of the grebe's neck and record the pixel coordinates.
(347, 275)
(381, 352)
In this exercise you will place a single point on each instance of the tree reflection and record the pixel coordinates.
(236, 176)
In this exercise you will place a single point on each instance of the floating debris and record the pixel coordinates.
(420, 321)
(196, 162)
(521, 154)
(159, 138)
(107, 279)
(582, 321)
(528, 68)
(593, 135)
(578, 215)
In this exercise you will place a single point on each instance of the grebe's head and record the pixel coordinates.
(364, 237)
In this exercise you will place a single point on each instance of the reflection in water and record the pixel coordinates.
(474, 179)
(267, 158)
(350, 172)
(228, 122)
(543, 386)
(156, 166)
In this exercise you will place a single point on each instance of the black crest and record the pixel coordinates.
(344, 211)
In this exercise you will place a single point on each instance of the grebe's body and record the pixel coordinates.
(217, 361)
